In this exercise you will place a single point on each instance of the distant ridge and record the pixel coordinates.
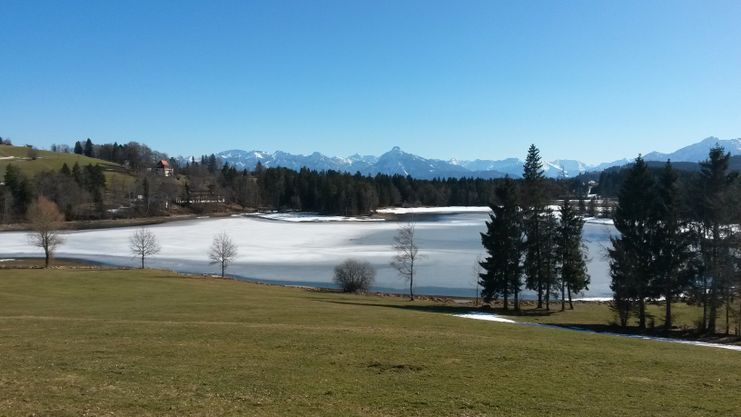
(398, 162)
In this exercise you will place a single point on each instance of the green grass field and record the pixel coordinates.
(133, 343)
(47, 161)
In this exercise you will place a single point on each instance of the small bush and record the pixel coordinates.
(354, 276)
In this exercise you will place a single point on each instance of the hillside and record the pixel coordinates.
(46, 160)
(132, 343)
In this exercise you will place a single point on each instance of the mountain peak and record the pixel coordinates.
(398, 162)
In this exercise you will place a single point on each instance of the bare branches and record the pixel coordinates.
(144, 243)
(354, 276)
(223, 251)
(45, 220)
(407, 254)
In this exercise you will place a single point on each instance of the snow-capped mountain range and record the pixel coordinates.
(397, 161)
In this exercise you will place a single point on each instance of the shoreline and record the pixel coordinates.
(378, 215)
(71, 262)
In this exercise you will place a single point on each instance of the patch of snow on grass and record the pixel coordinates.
(485, 317)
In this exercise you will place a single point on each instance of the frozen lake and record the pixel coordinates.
(305, 253)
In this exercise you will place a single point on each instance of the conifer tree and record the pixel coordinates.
(88, 150)
(671, 243)
(571, 253)
(533, 202)
(504, 245)
(631, 254)
(621, 270)
(715, 183)
(549, 252)
(78, 148)
(65, 170)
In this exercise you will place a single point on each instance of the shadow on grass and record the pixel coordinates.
(679, 334)
(447, 309)
(660, 332)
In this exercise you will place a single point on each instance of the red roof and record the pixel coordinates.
(163, 163)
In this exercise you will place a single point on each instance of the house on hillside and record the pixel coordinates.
(163, 168)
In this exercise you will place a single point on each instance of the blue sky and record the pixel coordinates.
(588, 80)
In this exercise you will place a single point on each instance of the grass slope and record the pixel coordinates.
(133, 343)
(46, 161)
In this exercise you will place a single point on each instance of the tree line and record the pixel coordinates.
(529, 247)
(78, 191)
(208, 184)
(678, 240)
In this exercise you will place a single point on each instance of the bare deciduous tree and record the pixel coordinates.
(223, 251)
(407, 254)
(354, 276)
(45, 220)
(144, 243)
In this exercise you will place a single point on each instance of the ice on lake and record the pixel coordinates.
(306, 252)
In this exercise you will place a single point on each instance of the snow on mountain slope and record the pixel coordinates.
(697, 151)
(398, 162)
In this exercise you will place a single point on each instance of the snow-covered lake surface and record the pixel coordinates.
(285, 250)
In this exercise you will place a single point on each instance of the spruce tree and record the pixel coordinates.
(504, 246)
(671, 244)
(571, 253)
(78, 148)
(65, 170)
(88, 150)
(621, 272)
(715, 183)
(549, 252)
(632, 252)
(533, 202)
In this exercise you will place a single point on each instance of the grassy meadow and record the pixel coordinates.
(145, 343)
(52, 161)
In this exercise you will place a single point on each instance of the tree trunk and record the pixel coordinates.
(728, 309)
(411, 282)
(548, 296)
(540, 293)
(668, 313)
(46, 257)
(571, 303)
(641, 313)
(713, 314)
(704, 302)
(563, 295)
(540, 260)
(506, 298)
(142, 261)
(517, 299)
(222, 269)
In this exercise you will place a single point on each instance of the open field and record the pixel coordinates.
(134, 343)
(47, 161)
